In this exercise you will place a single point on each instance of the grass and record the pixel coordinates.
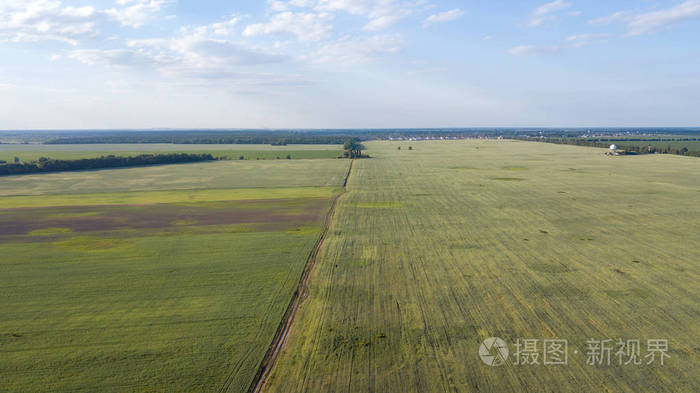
(32, 152)
(222, 154)
(175, 278)
(174, 196)
(153, 313)
(146, 286)
(586, 246)
(219, 174)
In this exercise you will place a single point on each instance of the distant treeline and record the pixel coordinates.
(660, 139)
(630, 148)
(321, 136)
(49, 165)
(261, 138)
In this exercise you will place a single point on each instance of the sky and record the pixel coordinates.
(348, 64)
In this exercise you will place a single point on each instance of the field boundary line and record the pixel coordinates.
(280, 338)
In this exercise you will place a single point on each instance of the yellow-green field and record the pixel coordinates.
(433, 250)
(153, 279)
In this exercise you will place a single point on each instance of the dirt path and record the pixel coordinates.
(300, 294)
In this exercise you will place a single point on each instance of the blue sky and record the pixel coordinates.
(348, 63)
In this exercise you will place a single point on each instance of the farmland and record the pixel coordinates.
(433, 250)
(176, 277)
(211, 175)
(169, 278)
(32, 152)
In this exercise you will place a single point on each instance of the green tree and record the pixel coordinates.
(352, 148)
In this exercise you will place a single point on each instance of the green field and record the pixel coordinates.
(207, 175)
(32, 152)
(174, 278)
(433, 250)
(168, 279)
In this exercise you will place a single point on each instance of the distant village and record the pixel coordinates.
(435, 138)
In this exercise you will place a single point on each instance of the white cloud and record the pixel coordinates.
(445, 16)
(653, 21)
(197, 63)
(40, 20)
(135, 13)
(572, 41)
(355, 50)
(43, 20)
(305, 26)
(434, 70)
(381, 22)
(548, 12)
(197, 53)
(277, 5)
(226, 27)
(223, 28)
(620, 16)
(289, 16)
(113, 57)
(356, 7)
(8, 86)
(381, 13)
(581, 40)
(533, 50)
(554, 6)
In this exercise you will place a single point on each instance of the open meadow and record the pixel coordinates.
(171, 278)
(433, 250)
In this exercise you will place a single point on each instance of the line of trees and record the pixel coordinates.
(353, 149)
(328, 136)
(629, 148)
(262, 138)
(48, 165)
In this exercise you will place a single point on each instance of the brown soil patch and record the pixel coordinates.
(273, 214)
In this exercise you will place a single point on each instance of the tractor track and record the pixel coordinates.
(280, 338)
